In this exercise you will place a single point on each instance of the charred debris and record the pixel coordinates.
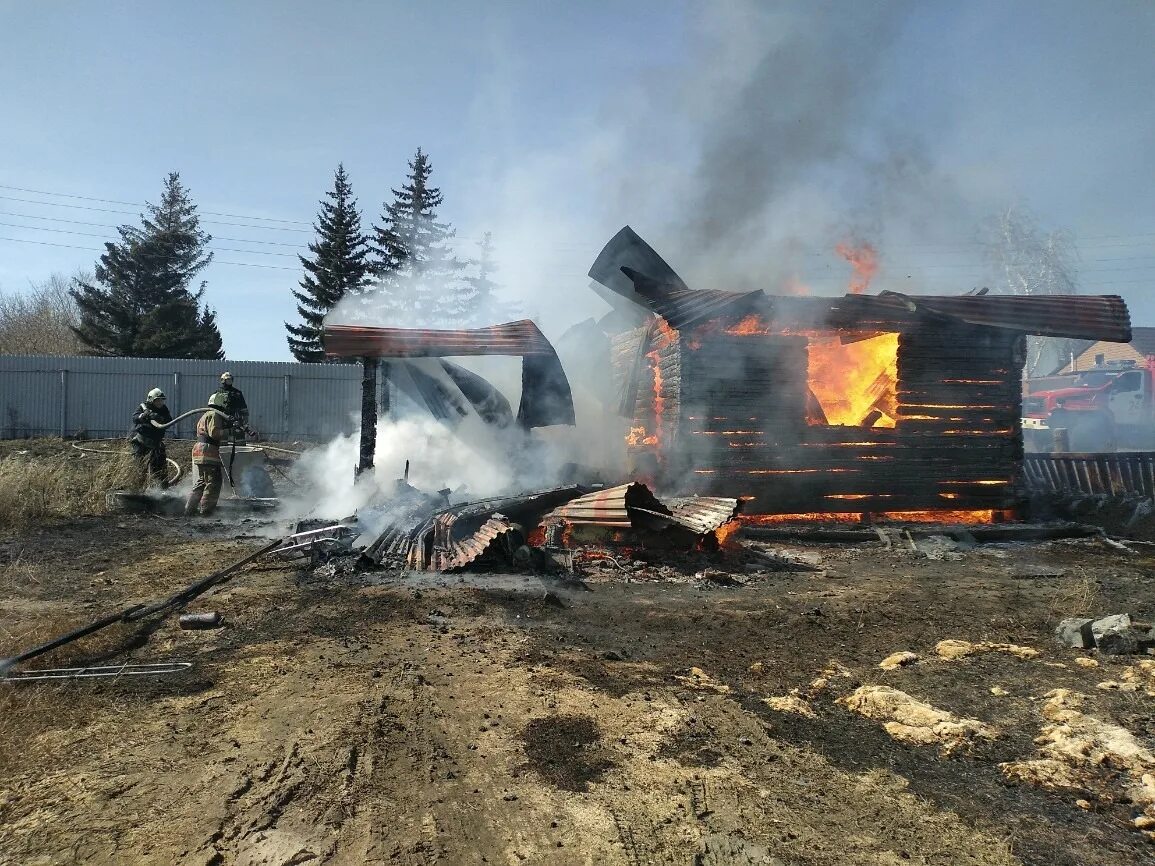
(738, 409)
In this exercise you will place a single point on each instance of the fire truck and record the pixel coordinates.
(1106, 408)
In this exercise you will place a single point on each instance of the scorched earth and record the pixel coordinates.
(711, 710)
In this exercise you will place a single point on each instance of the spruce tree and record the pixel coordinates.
(140, 302)
(481, 298)
(338, 267)
(419, 282)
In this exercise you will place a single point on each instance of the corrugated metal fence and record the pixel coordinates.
(51, 396)
(1114, 474)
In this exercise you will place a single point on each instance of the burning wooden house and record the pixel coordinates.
(861, 404)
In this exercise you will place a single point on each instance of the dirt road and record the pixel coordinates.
(499, 719)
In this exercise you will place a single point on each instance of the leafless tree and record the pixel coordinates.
(1030, 261)
(40, 320)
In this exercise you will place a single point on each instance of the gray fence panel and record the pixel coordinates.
(54, 396)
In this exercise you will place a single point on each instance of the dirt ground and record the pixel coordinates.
(622, 719)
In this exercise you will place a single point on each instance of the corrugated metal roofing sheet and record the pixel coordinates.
(514, 338)
(686, 308)
(1098, 317)
(703, 514)
(407, 538)
(611, 507)
(470, 549)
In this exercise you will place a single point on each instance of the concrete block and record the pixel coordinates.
(1118, 641)
(1075, 632)
(1115, 622)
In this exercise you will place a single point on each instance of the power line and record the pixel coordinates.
(28, 216)
(131, 213)
(95, 235)
(94, 250)
(140, 204)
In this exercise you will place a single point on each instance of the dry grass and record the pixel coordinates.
(1076, 594)
(33, 709)
(34, 489)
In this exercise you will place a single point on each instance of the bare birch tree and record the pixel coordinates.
(1032, 262)
(40, 320)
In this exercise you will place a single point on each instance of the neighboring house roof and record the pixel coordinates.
(1143, 340)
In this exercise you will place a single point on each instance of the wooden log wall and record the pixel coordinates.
(734, 424)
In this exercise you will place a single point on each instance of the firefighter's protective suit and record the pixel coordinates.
(206, 458)
(147, 439)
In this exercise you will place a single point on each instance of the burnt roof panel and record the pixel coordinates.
(703, 514)
(363, 341)
(685, 308)
(1097, 317)
(1094, 317)
(610, 507)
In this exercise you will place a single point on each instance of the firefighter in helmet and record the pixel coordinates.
(233, 404)
(206, 458)
(148, 437)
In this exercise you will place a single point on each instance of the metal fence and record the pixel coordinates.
(66, 396)
(1114, 474)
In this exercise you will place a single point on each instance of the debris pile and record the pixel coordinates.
(542, 530)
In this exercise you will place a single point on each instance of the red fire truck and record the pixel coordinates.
(1106, 408)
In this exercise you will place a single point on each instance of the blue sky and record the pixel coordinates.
(744, 139)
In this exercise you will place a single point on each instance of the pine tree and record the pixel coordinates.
(140, 303)
(481, 298)
(419, 282)
(338, 267)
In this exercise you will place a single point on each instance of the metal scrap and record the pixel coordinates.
(124, 670)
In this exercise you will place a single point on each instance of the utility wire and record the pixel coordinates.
(132, 213)
(94, 250)
(139, 204)
(28, 216)
(96, 235)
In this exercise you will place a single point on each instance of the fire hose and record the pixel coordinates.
(176, 466)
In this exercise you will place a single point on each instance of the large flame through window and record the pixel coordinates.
(854, 383)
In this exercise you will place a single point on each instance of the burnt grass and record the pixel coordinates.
(624, 638)
(566, 751)
(796, 624)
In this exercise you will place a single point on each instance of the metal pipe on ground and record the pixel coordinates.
(139, 611)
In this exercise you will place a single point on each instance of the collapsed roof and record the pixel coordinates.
(633, 271)
(546, 398)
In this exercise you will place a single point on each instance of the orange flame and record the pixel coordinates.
(662, 339)
(946, 516)
(864, 260)
(638, 436)
(725, 533)
(749, 326)
(855, 381)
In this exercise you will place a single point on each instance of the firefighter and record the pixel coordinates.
(235, 407)
(148, 439)
(206, 457)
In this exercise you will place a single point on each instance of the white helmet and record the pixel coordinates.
(226, 377)
(156, 394)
